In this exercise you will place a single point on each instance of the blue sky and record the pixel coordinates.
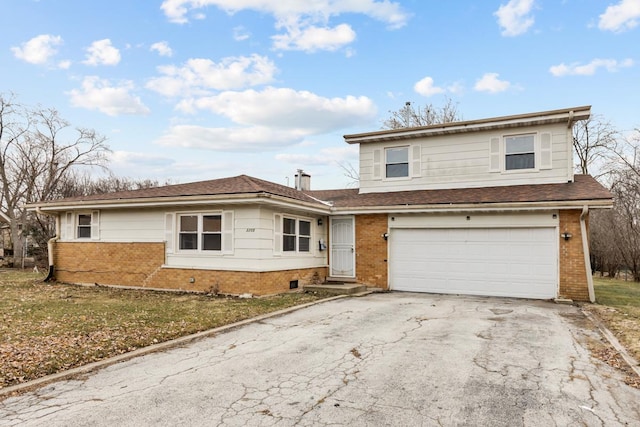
(200, 89)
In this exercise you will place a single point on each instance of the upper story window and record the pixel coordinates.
(519, 152)
(200, 232)
(397, 162)
(84, 226)
(296, 235)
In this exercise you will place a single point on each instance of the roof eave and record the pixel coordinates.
(262, 197)
(476, 207)
(568, 115)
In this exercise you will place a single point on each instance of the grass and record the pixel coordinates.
(618, 305)
(48, 328)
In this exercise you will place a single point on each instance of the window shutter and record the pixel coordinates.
(545, 151)
(95, 225)
(416, 162)
(494, 155)
(277, 234)
(168, 233)
(68, 227)
(227, 232)
(377, 164)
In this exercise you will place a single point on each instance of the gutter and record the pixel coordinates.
(181, 201)
(585, 252)
(50, 244)
(466, 207)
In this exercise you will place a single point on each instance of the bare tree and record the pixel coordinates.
(595, 142)
(626, 226)
(410, 116)
(349, 171)
(38, 150)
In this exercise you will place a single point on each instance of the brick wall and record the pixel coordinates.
(139, 264)
(573, 276)
(371, 250)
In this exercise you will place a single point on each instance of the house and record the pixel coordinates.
(484, 207)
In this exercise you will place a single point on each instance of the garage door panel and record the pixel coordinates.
(518, 262)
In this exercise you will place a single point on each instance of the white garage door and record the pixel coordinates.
(512, 262)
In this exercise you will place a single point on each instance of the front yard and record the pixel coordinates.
(48, 328)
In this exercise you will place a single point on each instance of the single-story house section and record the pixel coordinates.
(484, 207)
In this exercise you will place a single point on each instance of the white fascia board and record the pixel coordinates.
(509, 122)
(164, 202)
(495, 207)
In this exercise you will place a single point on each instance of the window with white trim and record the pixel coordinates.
(519, 152)
(83, 228)
(396, 162)
(200, 232)
(296, 235)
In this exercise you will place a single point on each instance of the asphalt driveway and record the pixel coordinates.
(385, 359)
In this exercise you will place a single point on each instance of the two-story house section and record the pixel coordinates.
(482, 207)
(486, 207)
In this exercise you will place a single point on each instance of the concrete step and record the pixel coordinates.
(342, 289)
(340, 280)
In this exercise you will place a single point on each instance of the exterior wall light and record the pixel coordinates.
(566, 235)
(319, 222)
(385, 236)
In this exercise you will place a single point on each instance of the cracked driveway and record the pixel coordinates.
(385, 359)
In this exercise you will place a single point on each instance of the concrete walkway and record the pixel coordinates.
(384, 359)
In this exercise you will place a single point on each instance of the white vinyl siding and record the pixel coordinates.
(249, 240)
(468, 160)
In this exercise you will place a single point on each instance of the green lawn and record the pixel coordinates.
(618, 305)
(48, 328)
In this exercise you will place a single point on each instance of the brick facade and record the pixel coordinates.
(140, 265)
(573, 275)
(371, 250)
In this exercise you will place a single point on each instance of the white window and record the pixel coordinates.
(396, 162)
(519, 152)
(84, 226)
(200, 232)
(296, 235)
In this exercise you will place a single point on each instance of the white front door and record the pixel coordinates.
(342, 242)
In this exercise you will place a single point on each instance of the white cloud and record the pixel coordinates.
(589, 69)
(311, 38)
(162, 48)
(235, 139)
(98, 94)
(325, 157)
(318, 10)
(38, 50)
(425, 87)
(240, 33)
(101, 52)
(305, 22)
(620, 17)
(514, 17)
(198, 75)
(122, 159)
(64, 65)
(285, 108)
(489, 82)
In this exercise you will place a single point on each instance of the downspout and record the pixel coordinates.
(570, 147)
(585, 252)
(50, 244)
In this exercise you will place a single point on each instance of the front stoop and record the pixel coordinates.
(342, 289)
